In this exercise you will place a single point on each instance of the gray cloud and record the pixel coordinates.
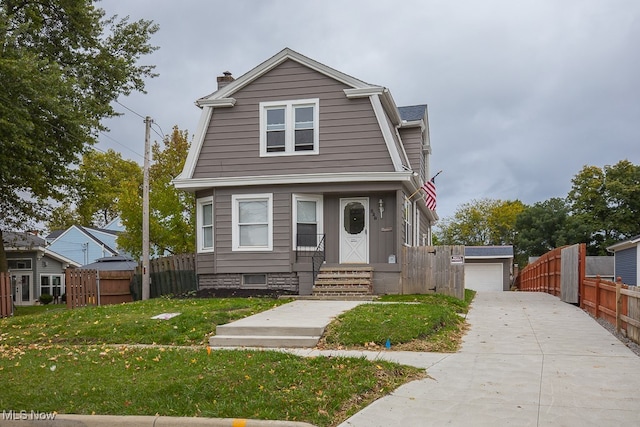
(521, 94)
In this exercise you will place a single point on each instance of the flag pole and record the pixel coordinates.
(420, 188)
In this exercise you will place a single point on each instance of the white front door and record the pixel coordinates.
(354, 234)
(22, 288)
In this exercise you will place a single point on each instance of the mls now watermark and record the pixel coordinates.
(27, 416)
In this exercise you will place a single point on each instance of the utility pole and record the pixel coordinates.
(145, 210)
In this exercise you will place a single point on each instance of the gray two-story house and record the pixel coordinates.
(296, 165)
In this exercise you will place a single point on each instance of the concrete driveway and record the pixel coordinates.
(527, 360)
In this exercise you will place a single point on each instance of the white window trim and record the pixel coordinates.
(235, 235)
(51, 276)
(294, 216)
(289, 126)
(199, 238)
(407, 222)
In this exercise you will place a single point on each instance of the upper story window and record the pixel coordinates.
(289, 127)
(205, 224)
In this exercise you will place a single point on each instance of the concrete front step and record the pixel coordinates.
(258, 330)
(263, 341)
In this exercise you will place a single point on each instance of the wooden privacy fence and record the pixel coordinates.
(558, 272)
(6, 301)
(561, 272)
(433, 269)
(173, 275)
(614, 302)
(81, 288)
(93, 287)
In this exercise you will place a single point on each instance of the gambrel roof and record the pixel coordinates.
(386, 112)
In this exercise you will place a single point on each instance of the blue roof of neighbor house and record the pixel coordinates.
(412, 112)
(488, 251)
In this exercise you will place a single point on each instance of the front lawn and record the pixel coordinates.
(429, 322)
(130, 323)
(88, 360)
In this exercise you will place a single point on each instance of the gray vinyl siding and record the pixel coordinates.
(382, 234)
(626, 265)
(412, 141)
(350, 136)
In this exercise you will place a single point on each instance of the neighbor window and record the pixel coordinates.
(19, 264)
(289, 127)
(307, 220)
(51, 285)
(205, 224)
(252, 222)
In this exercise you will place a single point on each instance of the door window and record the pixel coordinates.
(354, 217)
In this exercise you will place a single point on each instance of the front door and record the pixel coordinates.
(22, 289)
(354, 240)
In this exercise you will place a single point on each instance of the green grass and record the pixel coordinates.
(130, 323)
(184, 382)
(86, 360)
(408, 322)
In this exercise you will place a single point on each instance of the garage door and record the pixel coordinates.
(483, 277)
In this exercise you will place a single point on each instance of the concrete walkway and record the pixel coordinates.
(527, 360)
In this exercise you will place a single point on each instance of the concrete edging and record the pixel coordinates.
(70, 420)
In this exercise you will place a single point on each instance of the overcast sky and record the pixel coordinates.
(521, 94)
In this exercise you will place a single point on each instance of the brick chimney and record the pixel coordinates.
(225, 79)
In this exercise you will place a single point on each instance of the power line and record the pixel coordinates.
(134, 112)
(121, 144)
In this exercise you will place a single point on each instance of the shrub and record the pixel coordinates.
(45, 299)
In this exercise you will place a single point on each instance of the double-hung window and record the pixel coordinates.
(307, 221)
(289, 127)
(205, 224)
(252, 220)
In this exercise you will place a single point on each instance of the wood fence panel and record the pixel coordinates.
(429, 269)
(81, 288)
(633, 308)
(115, 287)
(172, 275)
(569, 274)
(6, 298)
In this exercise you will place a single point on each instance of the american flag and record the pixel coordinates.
(430, 188)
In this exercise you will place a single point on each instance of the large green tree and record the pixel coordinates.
(172, 211)
(481, 222)
(93, 202)
(607, 201)
(61, 65)
(545, 226)
(101, 176)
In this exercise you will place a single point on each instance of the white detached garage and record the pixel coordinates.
(488, 268)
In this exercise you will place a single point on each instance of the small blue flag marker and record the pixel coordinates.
(387, 345)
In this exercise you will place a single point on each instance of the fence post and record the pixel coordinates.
(618, 304)
(597, 297)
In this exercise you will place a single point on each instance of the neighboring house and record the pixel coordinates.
(83, 244)
(603, 266)
(626, 260)
(488, 268)
(295, 158)
(34, 268)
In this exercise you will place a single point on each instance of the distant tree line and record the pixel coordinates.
(602, 208)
